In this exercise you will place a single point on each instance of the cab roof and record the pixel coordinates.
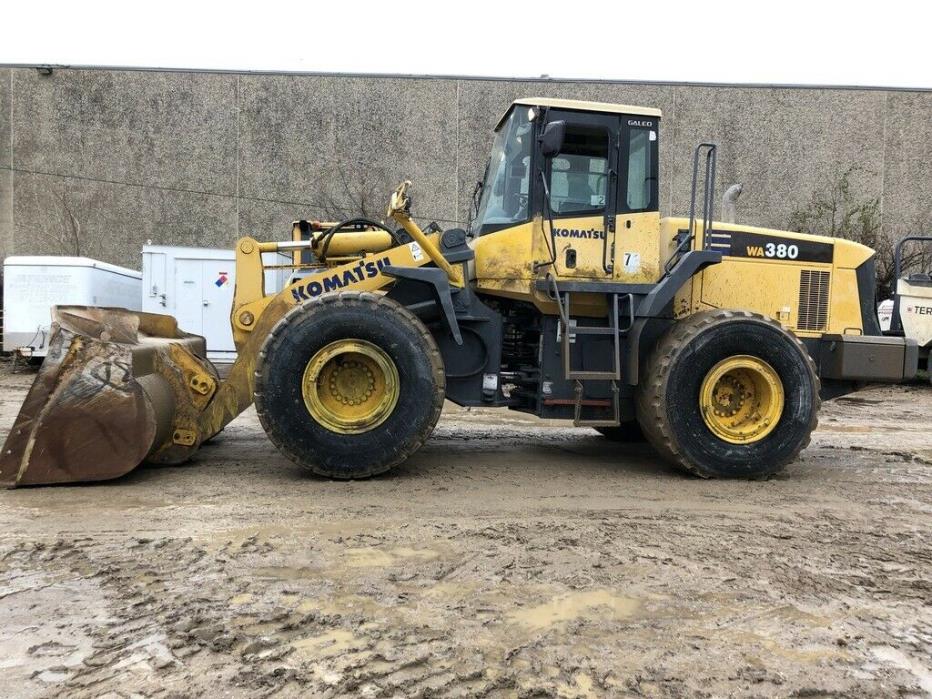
(582, 106)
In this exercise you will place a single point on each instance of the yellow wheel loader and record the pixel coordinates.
(568, 296)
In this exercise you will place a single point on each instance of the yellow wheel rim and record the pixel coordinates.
(741, 399)
(350, 386)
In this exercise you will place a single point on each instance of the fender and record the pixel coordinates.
(653, 304)
(690, 263)
(438, 280)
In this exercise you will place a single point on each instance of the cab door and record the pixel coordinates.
(639, 250)
(582, 180)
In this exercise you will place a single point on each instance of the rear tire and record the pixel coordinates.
(626, 433)
(287, 400)
(688, 431)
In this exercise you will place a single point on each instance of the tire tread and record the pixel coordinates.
(651, 393)
(348, 299)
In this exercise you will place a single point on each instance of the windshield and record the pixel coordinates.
(504, 198)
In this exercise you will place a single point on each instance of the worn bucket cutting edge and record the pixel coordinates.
(116, 388)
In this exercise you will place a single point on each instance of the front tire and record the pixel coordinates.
(729, 394)
(349, 385)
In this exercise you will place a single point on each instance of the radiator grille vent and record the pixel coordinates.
(813, 300)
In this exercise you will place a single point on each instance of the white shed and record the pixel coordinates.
(196, 286)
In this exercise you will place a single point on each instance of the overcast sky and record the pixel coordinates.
(780, 41)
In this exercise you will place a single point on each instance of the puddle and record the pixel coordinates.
(335, 642)
(242, 536)
(575, 605)
(808, 654)
(40, 611)
(345, 604)
(899, 659)
(52, 676)
(283, 572)
(449, 591)
(308, 606)
(258, 625)
(787, 613)
(370, 557)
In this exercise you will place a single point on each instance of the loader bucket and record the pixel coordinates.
(116, 388)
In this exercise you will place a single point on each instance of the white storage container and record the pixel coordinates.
(196, 286)
(32, 285)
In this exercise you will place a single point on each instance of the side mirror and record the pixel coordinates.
(551, 140)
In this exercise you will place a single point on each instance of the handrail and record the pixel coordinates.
(708, 202)
(708, 188)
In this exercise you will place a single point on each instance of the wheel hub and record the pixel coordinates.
(350, 386)
(352, 382)
(741, 399)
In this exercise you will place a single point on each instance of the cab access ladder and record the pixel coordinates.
(570, 330)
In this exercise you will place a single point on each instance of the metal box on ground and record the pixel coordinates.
(196, 286)
(33, 284)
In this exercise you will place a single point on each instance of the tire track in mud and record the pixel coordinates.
(186, 615)
(540, 564)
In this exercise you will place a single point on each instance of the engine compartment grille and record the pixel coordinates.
(813, 300)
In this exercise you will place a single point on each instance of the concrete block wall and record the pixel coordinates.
(98, 161)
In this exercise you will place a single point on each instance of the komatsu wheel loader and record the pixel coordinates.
(567, 297)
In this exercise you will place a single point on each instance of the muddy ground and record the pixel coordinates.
(507, 558)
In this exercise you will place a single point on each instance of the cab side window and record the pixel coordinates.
(579, 174)
(642, 178)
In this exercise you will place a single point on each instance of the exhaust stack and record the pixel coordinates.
(730, 202)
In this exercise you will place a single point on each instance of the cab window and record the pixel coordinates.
(579, 174)
(642, 174)
(504, 198)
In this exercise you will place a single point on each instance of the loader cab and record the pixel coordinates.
(590, 169)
